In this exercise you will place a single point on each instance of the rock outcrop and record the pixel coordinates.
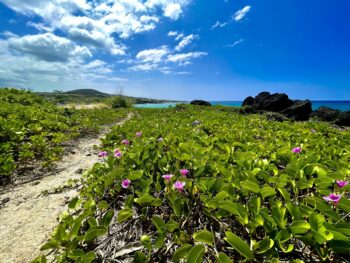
(200, 103)
(278, 102)
(331, 115)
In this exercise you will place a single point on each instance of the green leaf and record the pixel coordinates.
(181, 252)
(299, 227)
(95, 232)
(73, 203)
(196, 254)
(250, 186)
(140, 257)
(267, 191)
(237, 243)
(107, 218)
(49, 245)
(159, 224)
(264, 245)
(90, 256)
(204, 236)
(147, 199)
(124, 214)
(223, 258)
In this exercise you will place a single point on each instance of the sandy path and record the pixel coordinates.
(28, 218)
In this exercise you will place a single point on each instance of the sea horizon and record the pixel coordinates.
(342, 105)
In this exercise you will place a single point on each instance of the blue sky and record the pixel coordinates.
(178, 49)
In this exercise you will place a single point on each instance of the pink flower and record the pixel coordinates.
(313, 130)
(179, 185)
(138, 134)
(160, 139)
(341, 184)
(167, 177)
(184, 172)
(332, 198)
(126, 183)
(117, 153)
(296, 150)
(102, 154)
(125, 142)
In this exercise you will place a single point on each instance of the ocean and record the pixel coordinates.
(343, 105)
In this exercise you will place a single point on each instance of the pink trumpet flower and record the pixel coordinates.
(332, 198)
(341, 184)
(184, 172)
(126, 183)
(160, 139)
(102, 154)
(117, 153)
(179, 185)
(125, 142)
(167, 177)
(138, 134)
(296, 150)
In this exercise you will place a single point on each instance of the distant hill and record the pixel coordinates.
(85, 96)
(88, 92)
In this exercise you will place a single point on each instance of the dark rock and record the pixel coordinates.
(261, 97)
(249, 101)
(344, 119)
(276, 102)
(327, 114)
(300, 110)
(200, 103)
(79, 171)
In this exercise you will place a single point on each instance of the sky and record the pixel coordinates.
(178, 49)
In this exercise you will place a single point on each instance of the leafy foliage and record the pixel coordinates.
(247, 196)
(33, 129)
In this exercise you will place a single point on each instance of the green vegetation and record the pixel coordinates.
(86, 96)
(210, 185)
(32, 128)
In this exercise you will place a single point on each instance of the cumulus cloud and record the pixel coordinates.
(173, 11)
(172, 33)
(240, 14)
(48, 47)
(185, 42)
(153, 55)
(96, 23)
(185, 58)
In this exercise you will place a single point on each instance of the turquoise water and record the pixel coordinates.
(339, 105)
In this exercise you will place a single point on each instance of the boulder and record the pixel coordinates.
(249, 101)
(344, 119)
(276, 102)
(300, 110)
(200, 103)
(268, 102)
(327, 114)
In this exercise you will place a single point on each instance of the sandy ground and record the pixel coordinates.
(85, 106)
(28, 215)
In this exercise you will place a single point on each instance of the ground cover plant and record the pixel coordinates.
(32, 128)
(194, 184)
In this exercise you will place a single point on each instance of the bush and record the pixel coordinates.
(120, 102)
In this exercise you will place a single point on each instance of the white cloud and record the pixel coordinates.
(240, 14)
(185, 42)
(98, 23)
(218, 24)
(173, 11)
(48, 47)
(172, 33)
(239, 41)
(185, 58)
(153, 55)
